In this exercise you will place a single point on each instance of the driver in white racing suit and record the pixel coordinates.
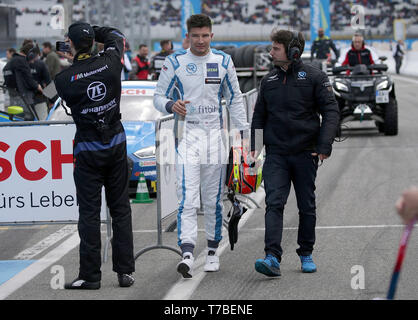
(191, 84)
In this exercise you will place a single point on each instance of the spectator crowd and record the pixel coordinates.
(380, 14)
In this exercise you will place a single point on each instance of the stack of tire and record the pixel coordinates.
(243, 57)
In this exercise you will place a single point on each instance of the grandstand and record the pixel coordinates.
(244, 19)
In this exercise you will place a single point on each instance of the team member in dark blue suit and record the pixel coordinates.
(91, 88)
(291, 99)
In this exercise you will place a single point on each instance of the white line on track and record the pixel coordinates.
(296, 228)
(340, 227)
(38, 266)
(44, 244)
(184, 288)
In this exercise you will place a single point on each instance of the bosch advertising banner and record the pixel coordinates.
(320, 17)
(189, 7)
(36, 175)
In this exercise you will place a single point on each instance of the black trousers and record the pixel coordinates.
(92, 171)
(398, 61)
(279, 172)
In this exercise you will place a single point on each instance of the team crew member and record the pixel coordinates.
(40, 73)
(140, 64)
(19, 80)
(158, 60)
(9, 53)
(91, 88)
(51, 59)
(322, 45)
(398, 55)
(192, 83)
(358, 54)
(292, 97)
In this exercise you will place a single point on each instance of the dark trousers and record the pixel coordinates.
(398, 60)
(92, 171)
(279, 172)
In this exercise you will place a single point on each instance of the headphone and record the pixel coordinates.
(32, 53)
(293, 51)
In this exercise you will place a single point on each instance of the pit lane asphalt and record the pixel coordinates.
(356, 225)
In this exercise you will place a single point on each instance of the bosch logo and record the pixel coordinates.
(191, 68)
(96, 91)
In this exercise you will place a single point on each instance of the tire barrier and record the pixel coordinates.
(251, 62)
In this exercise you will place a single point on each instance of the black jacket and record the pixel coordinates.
(40, 73)
(91, 88)
(288, 108)
(156, 63)
(321, 47)
(17, 75)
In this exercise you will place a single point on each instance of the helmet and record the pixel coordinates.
(242, 175)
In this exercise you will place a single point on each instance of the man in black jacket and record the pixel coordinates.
(158, 60)
(19, 80)
(322, 46)
(91, 88)
(40, 73)
(291, 99)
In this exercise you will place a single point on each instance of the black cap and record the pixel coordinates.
(80, 31)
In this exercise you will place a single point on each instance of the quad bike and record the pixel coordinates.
(366, 93)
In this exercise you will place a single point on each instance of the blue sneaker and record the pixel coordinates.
(308, 266)
(269, 266)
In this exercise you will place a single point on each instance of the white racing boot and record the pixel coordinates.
(212, 262)
(185, 266)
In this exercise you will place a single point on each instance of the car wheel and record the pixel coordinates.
(239, 57)
(391, 118)
(380, 126)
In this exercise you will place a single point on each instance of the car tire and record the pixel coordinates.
(380, 126)
(391, 118)
(240, 56)
(249, 56)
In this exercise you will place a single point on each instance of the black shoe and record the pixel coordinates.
(82, 285)
(125, 280)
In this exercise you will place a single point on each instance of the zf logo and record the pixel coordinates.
(96, 91)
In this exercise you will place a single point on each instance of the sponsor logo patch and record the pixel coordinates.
(96, 91)
(301, 75)
(88, 74)
(191, 68)
(212, 80)
(212, 70)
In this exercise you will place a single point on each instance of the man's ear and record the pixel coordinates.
(73, 51)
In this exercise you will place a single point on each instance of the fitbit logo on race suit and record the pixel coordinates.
(96, 91)
(202, 109)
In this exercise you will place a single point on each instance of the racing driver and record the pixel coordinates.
(191, 84)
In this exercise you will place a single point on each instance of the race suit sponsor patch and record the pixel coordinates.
(213, 80)
(100, 109)
(212, 70)
(88, 74)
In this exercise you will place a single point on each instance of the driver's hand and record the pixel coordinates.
(179, 107)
